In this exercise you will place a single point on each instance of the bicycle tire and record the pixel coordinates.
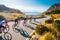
(6, 28)
(6, 36)
(15, 29)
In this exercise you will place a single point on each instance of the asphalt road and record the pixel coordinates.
(24, 30)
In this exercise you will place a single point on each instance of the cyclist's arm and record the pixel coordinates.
(6, 23)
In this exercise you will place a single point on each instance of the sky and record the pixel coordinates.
(30, 7)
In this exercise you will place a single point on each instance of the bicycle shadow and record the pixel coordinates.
(23, 33)
(37, 22)
(34, 23)
(29, 26)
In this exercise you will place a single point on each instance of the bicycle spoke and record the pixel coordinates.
(7, 36)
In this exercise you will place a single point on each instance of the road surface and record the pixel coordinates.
(25, 30)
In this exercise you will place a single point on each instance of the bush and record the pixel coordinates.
(50, 36)
(47, 36)
(54, 12)
(57, 24)
(49, 21)
(48, 13)
(41, 29)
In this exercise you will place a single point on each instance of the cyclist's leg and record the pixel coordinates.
(16, 22)
(3, 28)
(30, 21)
(19, 21)
(34, 19)
(25, 21)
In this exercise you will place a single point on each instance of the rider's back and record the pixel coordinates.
(2, 22)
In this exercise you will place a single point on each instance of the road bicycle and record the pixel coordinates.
(6, 36)
(15, 27)
(6, 29)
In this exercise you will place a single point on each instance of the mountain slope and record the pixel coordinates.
(54, 9)
(10, 13)
(5, 9)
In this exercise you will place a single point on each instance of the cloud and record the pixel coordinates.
(27, 8)
(22, 7)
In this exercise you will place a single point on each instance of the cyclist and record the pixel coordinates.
(16, 20)
(2, 24)
(30, 21)
(25, 20)
(34, 19)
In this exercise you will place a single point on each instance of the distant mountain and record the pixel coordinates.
(5, 9)
(54, 9)
(10, 13)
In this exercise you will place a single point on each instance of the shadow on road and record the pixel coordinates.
(28, 26)
(34, 23)
(37, 22)
(23, 33)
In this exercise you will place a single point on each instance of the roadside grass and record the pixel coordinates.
(49, 30)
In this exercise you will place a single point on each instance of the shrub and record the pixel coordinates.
(49, 21)
(47, 36)
(57, 24)
(50, 36)
(54, 12)
(48, 13)
(41, 29)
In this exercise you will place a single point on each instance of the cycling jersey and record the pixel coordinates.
(2, 22)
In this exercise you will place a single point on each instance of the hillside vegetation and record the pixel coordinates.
(11, 16)
(10, 13)
(50, 29)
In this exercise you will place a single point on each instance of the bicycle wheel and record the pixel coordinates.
(7, 36)
(6, 29)
(15, 28)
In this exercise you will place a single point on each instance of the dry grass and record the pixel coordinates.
(12, 16)
(49, 35)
